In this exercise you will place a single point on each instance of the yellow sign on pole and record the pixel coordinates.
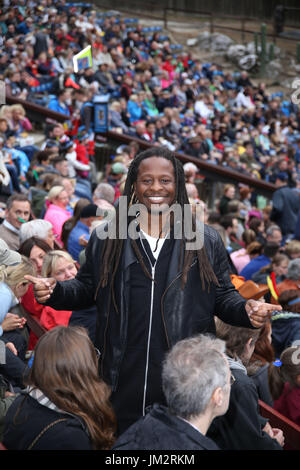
(83, 60)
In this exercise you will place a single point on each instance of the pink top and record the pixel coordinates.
(57, 216)
(240, 258)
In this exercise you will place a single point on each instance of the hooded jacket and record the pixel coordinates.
(285, 330)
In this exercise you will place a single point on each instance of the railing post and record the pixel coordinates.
(263, 53)
(211, 23)
(243, 30)
(165, 18)
(298, 52)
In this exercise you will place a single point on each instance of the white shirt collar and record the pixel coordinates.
(11, 227)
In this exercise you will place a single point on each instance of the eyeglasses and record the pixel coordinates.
(232, 379)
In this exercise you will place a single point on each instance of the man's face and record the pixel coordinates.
(234, 227)
(276, 237)
(68, 187)
(3, 125)
(51, 238)
(18, 210)
(63, 168)
(58, 131)
(230, 192)
(155, 185)
(151, 128)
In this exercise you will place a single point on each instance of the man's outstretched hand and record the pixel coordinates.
(42, 287)
(260, 312)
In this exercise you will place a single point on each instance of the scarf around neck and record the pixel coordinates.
(236, 364)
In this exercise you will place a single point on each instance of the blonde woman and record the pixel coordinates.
(13, 286)
(19, 122)
(59, 265)
(57, 213)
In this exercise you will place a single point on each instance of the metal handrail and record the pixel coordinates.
(214, 172)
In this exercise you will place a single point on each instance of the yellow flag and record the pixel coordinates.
(271, 287)
(83, 60)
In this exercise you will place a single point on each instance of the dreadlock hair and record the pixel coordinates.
(112, 248)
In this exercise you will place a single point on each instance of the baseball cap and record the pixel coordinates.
(282, 176)
(118, 168)
(8, 257)
(89, 211)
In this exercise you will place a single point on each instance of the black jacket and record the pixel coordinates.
(241, 427)
(285, 330)
(184, 312)
(159, 430)
(285, 210)
(32, 418)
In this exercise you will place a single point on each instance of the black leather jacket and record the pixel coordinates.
(184, 312)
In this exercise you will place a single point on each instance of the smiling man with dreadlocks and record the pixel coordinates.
(151, 290)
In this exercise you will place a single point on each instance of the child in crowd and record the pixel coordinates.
(284, 380)
(242, 427)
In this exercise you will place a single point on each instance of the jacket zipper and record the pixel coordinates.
(149, 339)
(150, 327)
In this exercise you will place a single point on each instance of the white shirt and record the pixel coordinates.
(154, 243)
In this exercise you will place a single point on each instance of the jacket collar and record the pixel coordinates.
(161, 412)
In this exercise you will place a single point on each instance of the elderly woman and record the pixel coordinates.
(19, 122)
(57, 213)
(37, 228)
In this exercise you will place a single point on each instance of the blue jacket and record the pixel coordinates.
(254, 266)
(56, 106)
(74, 248)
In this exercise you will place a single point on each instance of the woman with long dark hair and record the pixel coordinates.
(67, 403)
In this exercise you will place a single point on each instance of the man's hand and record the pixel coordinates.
(274, 433)
(42, 287)
(260, 312)
(12, 347)
(82, 240)
(278, 435)
(11, 322)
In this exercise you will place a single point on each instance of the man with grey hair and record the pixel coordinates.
(196, 384)
(104, 191)
(274, 234)
(39, 228)
(294, 270)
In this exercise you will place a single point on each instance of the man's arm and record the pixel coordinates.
(75, 294)
(231, 307)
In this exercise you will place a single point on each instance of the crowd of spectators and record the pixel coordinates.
(52, 195)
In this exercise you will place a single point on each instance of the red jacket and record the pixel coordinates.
(288, 404)
(48, 317)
